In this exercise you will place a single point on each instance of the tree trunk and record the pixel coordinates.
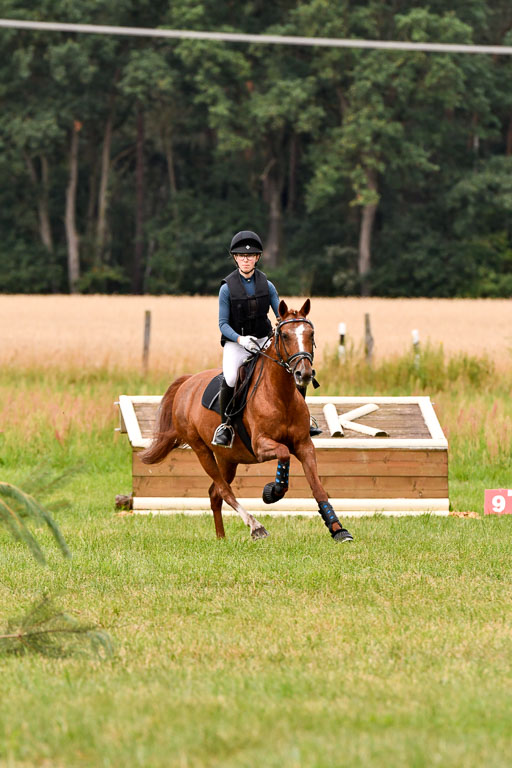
(139, 205)
(509, 138)
(71, 233)
(90, 217)
(474, 139)
(365, 237)
(41, 187)
(272, 191)
(101, 230)
(167, 141)
(292, 175)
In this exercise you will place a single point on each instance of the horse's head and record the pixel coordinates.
(295, 341)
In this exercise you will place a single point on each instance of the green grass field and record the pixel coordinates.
(292, 651)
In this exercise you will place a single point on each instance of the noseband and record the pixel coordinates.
(297, 356)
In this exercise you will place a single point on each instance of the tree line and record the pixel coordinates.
(128, 163)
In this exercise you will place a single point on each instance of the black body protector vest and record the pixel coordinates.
(248, 315)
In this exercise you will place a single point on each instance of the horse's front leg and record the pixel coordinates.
(305, 452)
(265, 448)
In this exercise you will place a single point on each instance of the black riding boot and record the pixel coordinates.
(224, 434)
(313, 427)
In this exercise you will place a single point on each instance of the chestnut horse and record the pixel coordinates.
(276, 418)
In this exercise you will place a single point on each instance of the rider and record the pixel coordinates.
(245, 298)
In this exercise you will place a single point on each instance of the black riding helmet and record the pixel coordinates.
(246, 242)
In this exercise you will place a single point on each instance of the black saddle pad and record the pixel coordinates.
(211, 400)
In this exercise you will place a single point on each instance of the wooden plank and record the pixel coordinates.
(363, 455)
(185, 463)
(376, 493)
(130, 420)
(386, 455)
(345, 507)
(397, 483)
(402, 487)
(360, 400)
(380, 443)
(431, 420)
(379, 469)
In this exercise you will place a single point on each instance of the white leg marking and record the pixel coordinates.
(256, 528)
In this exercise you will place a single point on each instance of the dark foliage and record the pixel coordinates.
(182, 143)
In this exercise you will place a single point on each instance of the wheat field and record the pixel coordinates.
(107, 331)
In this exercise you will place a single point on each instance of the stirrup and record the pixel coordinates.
(314, 429)
(223, 429)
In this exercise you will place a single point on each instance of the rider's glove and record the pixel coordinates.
(249, 343)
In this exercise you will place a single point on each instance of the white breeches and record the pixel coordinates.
(234, 355)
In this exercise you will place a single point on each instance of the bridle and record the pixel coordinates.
(286, 364)
(297, 356)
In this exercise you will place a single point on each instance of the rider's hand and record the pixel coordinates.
(249, 343)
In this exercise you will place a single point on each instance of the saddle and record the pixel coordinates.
(211, 401)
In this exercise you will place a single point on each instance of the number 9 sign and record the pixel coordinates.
(498, 501)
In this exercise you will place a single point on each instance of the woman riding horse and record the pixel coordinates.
(276, 419)
(245, 298)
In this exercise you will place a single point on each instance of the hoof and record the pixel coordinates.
(259, 533)
(342, 535)
(270, 495)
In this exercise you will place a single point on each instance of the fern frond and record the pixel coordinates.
(47, 630)
(28, 507)
(19, 531)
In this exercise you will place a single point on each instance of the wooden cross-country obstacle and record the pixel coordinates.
(405, 473)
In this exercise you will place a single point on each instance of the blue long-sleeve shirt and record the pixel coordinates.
(249, 285)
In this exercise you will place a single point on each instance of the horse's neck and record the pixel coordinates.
(277, 381)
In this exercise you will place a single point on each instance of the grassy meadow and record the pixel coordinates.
(292, 651)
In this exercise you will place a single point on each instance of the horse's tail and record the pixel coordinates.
(166, 438)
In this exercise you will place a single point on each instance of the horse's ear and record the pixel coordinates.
(304, 310)
(283, 308)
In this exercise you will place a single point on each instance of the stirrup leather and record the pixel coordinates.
(220, 428)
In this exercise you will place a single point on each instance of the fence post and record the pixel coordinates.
(147, 336)
(416, 346)
(368, 339)
(342, 329)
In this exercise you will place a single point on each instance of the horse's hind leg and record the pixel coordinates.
(216, 505)
(207, 460)
(228, 471)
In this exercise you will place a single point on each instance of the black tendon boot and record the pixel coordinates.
(313, 426)
(272, 492)
(333, 524)
(224, 434)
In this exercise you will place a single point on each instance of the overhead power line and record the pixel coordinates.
(238, 37)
